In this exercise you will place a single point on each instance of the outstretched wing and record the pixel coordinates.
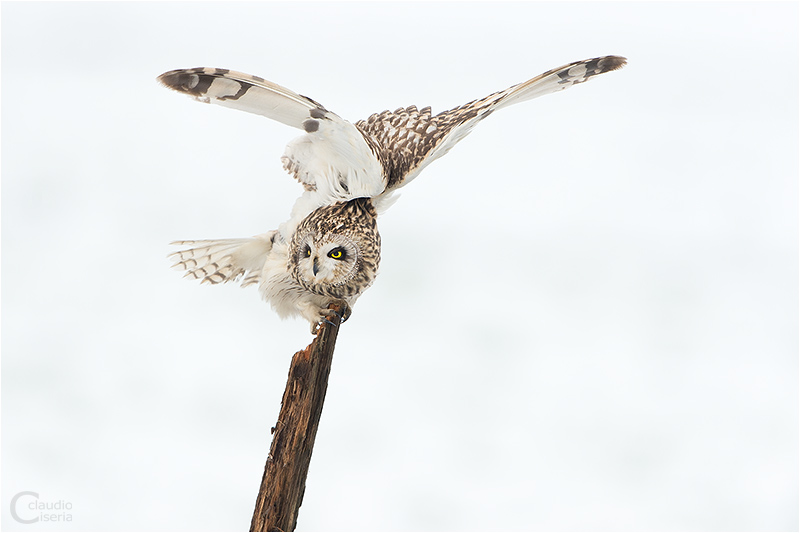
(224, 260)
(244, 92)
(410, 139)
(332, 158)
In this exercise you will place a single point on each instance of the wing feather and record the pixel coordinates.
(332, 158)
(410, 139)
(224, 260)
(336, 160)
(244, 92)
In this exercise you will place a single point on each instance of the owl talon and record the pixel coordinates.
(343, 316)
(317, 326)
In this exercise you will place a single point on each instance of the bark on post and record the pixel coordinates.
(284, 480)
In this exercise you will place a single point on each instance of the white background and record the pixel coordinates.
(587, 311)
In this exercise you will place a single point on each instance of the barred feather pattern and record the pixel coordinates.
(224, 260)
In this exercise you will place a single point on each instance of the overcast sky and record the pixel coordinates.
(587, 312)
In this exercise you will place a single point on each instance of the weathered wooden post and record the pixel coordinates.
(284, 480)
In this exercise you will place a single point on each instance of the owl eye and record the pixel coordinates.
(307, 251)
(336, 253)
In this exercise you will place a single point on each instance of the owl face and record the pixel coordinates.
(327, 261)
(335, 251)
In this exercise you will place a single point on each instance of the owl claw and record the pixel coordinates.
(343, 316)
(346, 312)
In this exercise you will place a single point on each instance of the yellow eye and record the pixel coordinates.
(336, 253)
(308, 251)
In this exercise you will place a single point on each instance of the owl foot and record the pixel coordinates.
(343, 316)
(316, 326)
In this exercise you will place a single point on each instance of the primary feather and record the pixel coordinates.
(224, 260)
(242, 91)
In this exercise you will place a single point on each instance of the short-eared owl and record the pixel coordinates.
(329, 249)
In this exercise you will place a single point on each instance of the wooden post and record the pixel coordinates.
(284, 480)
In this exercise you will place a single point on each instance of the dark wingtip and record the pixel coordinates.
(610, 63)
(178, 80)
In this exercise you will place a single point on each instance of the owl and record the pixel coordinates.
(328, 251)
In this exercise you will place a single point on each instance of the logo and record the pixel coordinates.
(27, 508)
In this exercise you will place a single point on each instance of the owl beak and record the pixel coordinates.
(315, 268)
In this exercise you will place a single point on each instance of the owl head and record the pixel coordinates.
(335, 251)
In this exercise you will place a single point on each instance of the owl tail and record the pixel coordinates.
(224, 260)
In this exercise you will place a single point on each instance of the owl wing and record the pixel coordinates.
(244, 92)
(224, 260)
(410, 139)
(332, 158)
